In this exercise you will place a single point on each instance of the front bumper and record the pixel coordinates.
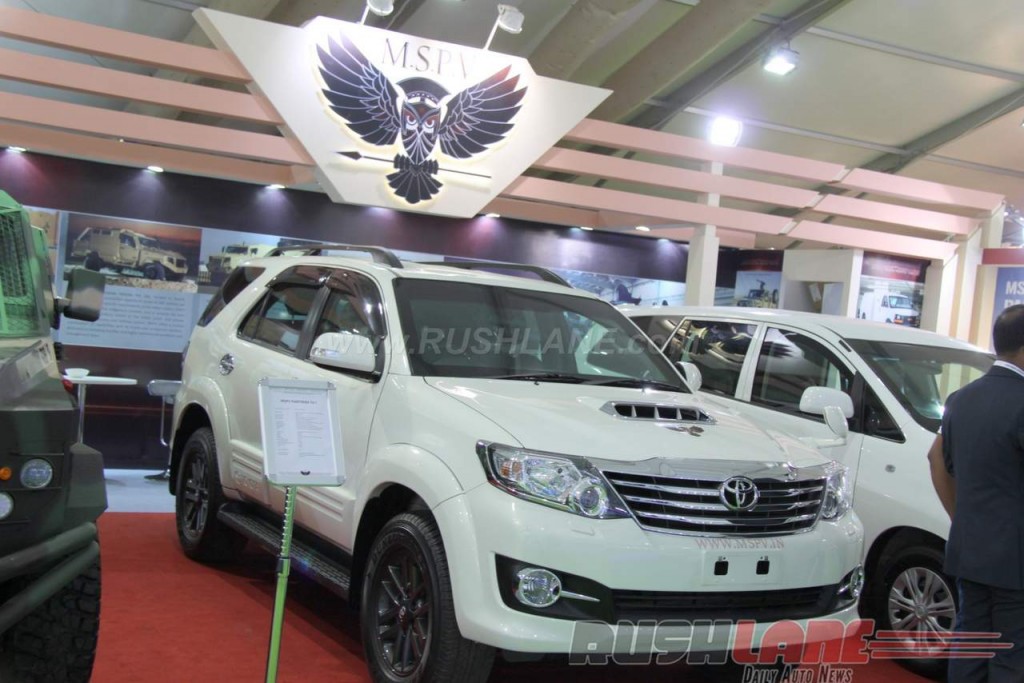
(486, 524)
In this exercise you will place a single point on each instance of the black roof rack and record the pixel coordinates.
(543, 273)
(379, 254)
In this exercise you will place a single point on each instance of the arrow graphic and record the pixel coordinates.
(358, 156)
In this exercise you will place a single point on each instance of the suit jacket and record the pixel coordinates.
(983, 446)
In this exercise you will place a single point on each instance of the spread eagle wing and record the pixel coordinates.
(479, 116)
(359, 93)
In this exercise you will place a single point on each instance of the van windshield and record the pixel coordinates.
(459, 329)
(900, 302)
(922, 377)
(235, 249)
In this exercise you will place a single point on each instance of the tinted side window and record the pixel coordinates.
(236, 283)
(791, 362)
(658, 328)
(717, 348)
(278, 319)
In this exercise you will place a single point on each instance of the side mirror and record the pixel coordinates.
(345, 351)
(691, 373)
(814, 400)
(84, 297)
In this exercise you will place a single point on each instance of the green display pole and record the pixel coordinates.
(284, 567)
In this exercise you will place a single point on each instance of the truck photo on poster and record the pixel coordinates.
(891, 290)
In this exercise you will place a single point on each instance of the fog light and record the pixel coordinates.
(853, 585)
(537, 587)
(6, 505)
(36, 473)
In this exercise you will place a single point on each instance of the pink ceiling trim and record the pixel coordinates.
(658, 175)
(830, 233)
(136, 127)
(667, 210)
(896, 215)
(667, 144)
(44, 29)
(96, 80)
(1012, 256)
(920, 190)
(140, 155)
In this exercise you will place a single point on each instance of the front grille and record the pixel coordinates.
(766, 605)
(18, 313)
(693, 505)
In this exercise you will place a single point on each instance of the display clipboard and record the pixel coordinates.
(301, 432)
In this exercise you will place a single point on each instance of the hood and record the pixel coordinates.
(578, 419)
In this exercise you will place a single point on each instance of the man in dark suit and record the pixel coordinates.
(977, 466)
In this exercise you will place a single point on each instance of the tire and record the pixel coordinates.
(914, 569)
(93, 262)
(154, 271)
(409, 549)
(198, 497)
(57, 642)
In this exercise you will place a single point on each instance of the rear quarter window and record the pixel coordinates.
(234, 285)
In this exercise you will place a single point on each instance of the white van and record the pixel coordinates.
(898, 378)
(887, 307)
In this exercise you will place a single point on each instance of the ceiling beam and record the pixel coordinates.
(664, 60)
(798, 21)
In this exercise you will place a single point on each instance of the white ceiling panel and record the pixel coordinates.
(1000, 143)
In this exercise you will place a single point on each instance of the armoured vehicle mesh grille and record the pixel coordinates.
(694, 506)
(17, 296)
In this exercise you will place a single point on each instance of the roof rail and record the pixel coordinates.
(543, 273)
(379, 254)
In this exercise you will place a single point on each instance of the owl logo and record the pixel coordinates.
(419, 111)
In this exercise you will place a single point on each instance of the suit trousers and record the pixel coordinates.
(989, 609)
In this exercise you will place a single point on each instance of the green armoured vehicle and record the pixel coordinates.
(51, 488)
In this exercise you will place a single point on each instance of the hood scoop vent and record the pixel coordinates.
(658, 412)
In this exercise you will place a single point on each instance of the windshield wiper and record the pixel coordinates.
(543, 377)
(638, 383)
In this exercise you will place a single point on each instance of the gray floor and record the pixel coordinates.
(130, 491)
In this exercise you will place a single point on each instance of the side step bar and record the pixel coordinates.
(305, 559)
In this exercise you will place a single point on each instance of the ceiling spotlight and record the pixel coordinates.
(781, 60)
(725, 131)
(643, 228)
(16, 149)
(275, 186)
(585, 227)
(155, 169)
(492, 215)
(510, 20)
(381, 8)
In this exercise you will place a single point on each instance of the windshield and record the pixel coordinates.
(900, 302)
(922, 377)
(235, 249)
(458, 329)
(149, 242)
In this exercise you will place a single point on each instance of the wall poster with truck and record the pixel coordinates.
(892, 289)
(751, 278)
(1009, 290)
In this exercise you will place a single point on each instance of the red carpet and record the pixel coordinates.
(166, 619)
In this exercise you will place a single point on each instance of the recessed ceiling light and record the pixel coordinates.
(275, 186)
(781, 60)
(16, 149)
(155, 169)
(492, 215)
(725, 131)
(585, 227)
(643, 228)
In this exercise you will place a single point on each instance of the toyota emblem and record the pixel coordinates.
(738, 493)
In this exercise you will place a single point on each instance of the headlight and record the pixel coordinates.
(566, 482)
(36, 473)
(838, 493)
(6, 505)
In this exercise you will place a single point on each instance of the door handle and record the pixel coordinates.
(227, 364)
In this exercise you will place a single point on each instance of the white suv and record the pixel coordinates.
(519, 459)
(898, 378)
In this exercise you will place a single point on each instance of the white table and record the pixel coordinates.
(90, 380)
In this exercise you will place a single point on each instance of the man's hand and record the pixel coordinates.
(942, 480)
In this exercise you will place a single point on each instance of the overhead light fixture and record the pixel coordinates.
(586, 227)
(16, 149)
(381, 8)
(155, 169)
(510, 20)
(275, 186)
(643, 228)
(781, 60)
(725, 131)
(492, 215)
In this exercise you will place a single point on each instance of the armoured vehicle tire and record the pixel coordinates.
(57, 642)
(154, 271)
(93, 262)
(203, 537)
(426, 641)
